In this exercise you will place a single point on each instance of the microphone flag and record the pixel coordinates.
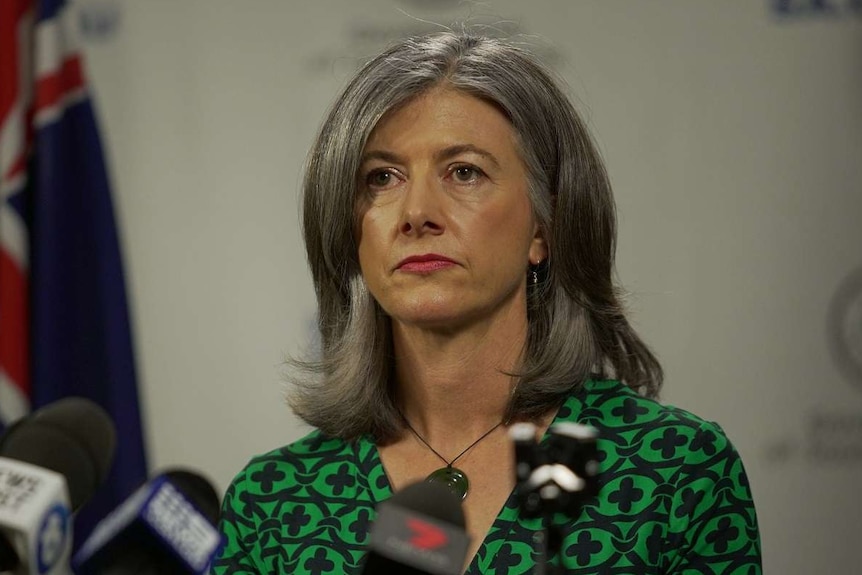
(413, 539)
(35, 517)
(64, 323)
(419, 530)
(159, 520)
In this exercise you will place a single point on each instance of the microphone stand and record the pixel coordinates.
(547, 541)
(554, 477)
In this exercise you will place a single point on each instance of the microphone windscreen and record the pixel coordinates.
(72, 436)
(88, 423)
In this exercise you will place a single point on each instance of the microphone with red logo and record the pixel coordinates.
(419, 531)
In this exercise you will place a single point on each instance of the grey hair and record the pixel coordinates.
(577, 326)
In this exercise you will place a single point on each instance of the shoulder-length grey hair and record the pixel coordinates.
(577, 327)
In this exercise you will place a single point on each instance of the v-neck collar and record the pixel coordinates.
(508, 518)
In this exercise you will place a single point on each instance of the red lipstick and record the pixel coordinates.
(424, 263)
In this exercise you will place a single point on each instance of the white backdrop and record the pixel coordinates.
(733, 135)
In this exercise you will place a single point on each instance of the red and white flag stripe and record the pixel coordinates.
(16, 50)
(40, 75)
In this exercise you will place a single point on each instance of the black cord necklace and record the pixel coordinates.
(450, 477)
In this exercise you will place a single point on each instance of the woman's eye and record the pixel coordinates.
(379, 179)
(466, 174)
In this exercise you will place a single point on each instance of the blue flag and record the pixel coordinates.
(80, 341)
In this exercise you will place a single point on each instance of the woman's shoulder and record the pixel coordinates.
(613, 405)
(308, 502)
(655, 433)
(666, 470)
(305, 461)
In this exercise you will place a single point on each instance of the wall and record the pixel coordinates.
(733, 135)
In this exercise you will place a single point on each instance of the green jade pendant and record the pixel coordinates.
(452, 479)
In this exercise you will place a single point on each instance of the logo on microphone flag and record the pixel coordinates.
(426, 535)
(52, 538)
(64, 323)
(419, 541)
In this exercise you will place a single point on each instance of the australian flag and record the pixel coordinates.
(64, 322)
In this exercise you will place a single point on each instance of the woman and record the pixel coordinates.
(460, 229)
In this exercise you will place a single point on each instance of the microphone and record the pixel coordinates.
(418, 531)
(166, 527)
(557, 476)
(51, 462)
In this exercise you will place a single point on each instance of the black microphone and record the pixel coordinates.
(420, 530)
(51, 462)
(166, 527)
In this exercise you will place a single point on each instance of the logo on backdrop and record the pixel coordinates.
(369, 35)
(834, 436)
(99, 20)
(816, 8)
(432, 4)
(844, 328)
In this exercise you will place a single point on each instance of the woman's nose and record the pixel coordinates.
(421, 207)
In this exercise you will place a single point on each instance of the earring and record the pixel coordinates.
(533, 278)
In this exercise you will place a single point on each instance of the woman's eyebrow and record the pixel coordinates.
(383, 155)
(452, 151)
(444, 154)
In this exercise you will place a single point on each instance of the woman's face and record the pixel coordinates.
(445, 227)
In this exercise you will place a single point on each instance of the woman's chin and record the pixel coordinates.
(435, 316)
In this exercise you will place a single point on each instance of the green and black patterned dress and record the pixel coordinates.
(673, 499)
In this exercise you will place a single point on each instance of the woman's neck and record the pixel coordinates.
(454, 387)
